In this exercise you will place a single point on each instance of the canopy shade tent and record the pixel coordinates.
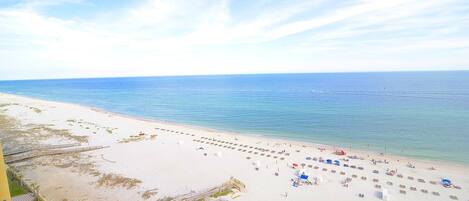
(446, 182)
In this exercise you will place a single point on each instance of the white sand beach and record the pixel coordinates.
(151, 160)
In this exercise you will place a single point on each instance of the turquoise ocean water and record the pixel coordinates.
(418, 114)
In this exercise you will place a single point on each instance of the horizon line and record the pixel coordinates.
(228, 74)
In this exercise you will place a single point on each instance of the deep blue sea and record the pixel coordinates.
(418, 114)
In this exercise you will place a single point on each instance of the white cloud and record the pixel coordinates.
(160, 37)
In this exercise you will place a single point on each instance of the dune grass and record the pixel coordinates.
(15, 187)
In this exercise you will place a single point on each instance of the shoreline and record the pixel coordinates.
(392, 156)
(146, 159)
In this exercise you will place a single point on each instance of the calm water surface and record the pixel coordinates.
(418, 114)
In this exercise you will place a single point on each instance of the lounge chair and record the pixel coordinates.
(435, 193)
(389, 183)
(413, 189)
(402, 191)
(453, 197)
(423, 190)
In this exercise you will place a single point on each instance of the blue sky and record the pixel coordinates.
(85, 38)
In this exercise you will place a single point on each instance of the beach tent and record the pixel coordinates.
(385, 194)
(446, 183)
(340, 152)
(303, 174)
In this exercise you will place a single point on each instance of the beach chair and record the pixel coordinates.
(375, 171)
(401, 186)
(413, 189)
(402, 191)
(424, 191)
(421, 180)
(389, 183)
(378, 186)
(375, 180)
(435, 193)
(453, 197)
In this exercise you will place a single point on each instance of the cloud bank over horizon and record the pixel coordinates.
(85, 38)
